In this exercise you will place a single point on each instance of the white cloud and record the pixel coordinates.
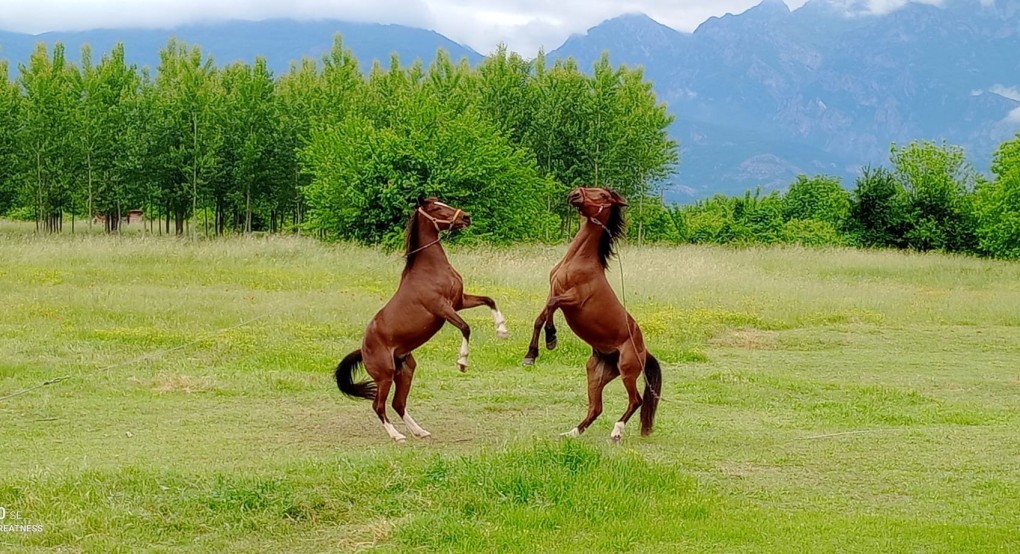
(1014, 116)
(1013, 93)
(524, 25)
(37, 16)
(878, 7)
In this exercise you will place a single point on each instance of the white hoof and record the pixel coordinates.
(502, 333)
(401, 439)
(571, 433)
(462, 366)
(393, 433)
(416, 429)
(617, 433)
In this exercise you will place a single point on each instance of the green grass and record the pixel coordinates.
(814, 401)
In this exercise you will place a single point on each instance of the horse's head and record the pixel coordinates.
(443, 216)
(595, 203)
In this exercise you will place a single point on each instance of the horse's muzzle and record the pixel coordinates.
(465, 220)
(575, 198)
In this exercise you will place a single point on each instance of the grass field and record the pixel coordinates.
(813, 401)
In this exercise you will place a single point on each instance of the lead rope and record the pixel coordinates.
(623, 296)
(623, 286)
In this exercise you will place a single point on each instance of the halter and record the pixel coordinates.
(435, 222)
(587, 199)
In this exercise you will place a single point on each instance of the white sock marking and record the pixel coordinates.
(416, 429)
(571, 433)
(462, 361)
(501, 331)
(394, 434)
(617, 431)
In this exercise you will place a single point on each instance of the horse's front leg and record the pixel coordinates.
(453, 318)
(474, 300)
(545, 318)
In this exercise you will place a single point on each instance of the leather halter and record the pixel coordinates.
(587, 199)
(436, 222)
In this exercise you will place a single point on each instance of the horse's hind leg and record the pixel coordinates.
(403, 378)
(600, 373)
(630, 370)
(381, 367)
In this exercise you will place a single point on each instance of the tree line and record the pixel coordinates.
(333, 149)
(930, 198)
(326, 147)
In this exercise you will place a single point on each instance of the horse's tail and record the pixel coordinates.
(345, 378)
(653, 387)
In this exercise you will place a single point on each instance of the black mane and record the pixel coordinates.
(614, 229)
(411, 240)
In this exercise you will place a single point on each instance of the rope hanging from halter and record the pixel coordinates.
(623, 286)
(435, 222)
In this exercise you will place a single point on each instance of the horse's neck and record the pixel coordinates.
(431, 254)
(585, 245)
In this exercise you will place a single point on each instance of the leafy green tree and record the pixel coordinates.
(751, 219)
(365, 175)
(250, 131)
(187, 138)
(101, 119)
(878, 209)
(938, 181)
(295, 92)
(997, 205)
(558, 131)
(820, 198)
(339, 88)
(507, 94)
(10, 114)
(44, 135)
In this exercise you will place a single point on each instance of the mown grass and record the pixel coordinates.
(814, 400)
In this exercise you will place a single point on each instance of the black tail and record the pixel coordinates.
(653, 388)
(345, 378)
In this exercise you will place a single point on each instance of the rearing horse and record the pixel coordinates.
(579, 288)
(430, 294)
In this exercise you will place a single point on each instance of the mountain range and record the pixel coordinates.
(759, 97)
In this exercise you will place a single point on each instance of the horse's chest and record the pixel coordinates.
(455, 284)
(568, 279)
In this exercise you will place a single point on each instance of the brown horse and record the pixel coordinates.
(579, 288)
(430, 294)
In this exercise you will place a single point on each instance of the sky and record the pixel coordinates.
(523, 25)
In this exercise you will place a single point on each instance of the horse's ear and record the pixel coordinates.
(617, 199)
(419, 201)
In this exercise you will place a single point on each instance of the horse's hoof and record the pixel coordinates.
(426, 435)
(400, 439)
(615, 439)
(551, 345)
(529, 361)
(462, 367)
(502, 334)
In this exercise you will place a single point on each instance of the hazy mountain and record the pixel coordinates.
(769, 93)
(279, 41)
(759, 97)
